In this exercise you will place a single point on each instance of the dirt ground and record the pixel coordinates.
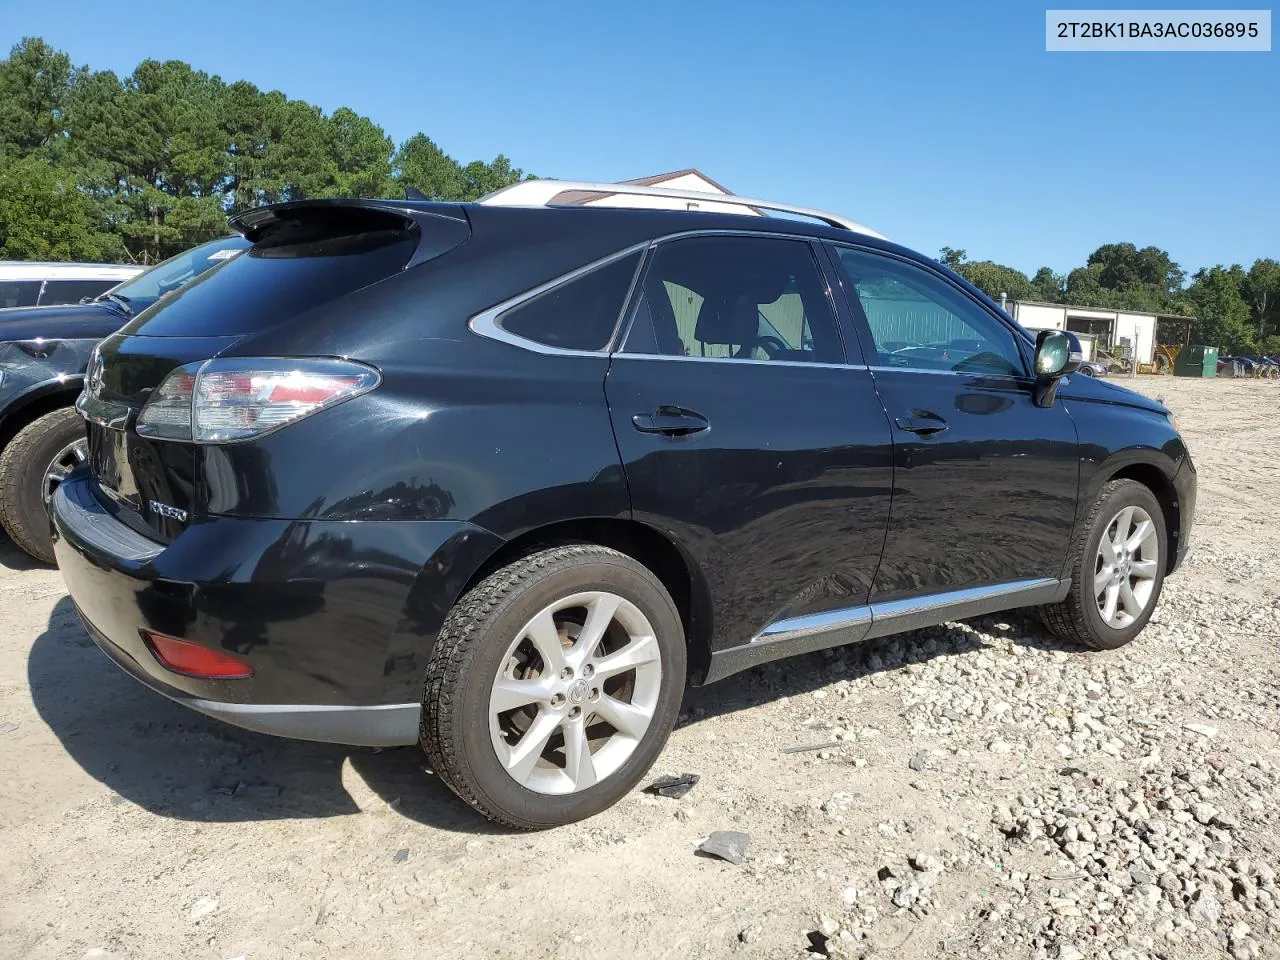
(132, 826)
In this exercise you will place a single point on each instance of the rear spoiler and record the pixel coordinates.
(440, 226)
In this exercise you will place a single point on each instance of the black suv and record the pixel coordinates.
(501, 480)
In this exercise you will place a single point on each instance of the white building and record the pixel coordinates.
(1108, 328)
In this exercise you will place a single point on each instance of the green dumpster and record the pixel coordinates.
(1196, 361)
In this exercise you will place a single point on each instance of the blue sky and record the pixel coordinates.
(935, 123)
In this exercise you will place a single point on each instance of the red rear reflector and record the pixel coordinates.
(194, 659)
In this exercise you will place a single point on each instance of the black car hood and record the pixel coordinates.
(75, 321)
(1083, 387)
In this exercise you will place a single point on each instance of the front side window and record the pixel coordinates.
(735, 298)
(919, 321)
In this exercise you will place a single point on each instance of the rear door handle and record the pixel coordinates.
(922, 423)
(670, 422)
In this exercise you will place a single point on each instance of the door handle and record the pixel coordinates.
(670, 422)
(922, 423)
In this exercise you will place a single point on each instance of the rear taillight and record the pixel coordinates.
(221, 401)
(195, 659)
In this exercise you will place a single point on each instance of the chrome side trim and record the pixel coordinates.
(487, 323)
(542, 193)
(1012, 378)
(767, 363)
(803, 634)
(899, 616)
(814, 624)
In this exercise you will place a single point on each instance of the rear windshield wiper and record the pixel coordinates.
(121, 301)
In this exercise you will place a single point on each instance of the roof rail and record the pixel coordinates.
(542, 193)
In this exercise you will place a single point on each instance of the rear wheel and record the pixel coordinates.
(1117, 570)
(32, 465)
(554, 685)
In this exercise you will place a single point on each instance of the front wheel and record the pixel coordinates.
(31, 467)
(1117, 569)
(553, 686)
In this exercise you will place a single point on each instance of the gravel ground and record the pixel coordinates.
(986, 792)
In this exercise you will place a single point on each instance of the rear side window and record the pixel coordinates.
(19, 293)
(72, 291)
(271, 282)
(735, 298)
(580, 314)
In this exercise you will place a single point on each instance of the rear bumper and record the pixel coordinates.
(385, 725)
(335, 618)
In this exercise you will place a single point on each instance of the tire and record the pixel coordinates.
(24, 463)
(485, 644)
(1087, 371)
(1079, 617)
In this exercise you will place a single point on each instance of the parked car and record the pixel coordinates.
(1093, 368)
(43, 352)
(32, 283)
(500, 478)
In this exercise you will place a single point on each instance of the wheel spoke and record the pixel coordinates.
(577, 754)
(1128, 601)
(600, 613)
(546, 638)
(1107, 549)
(1146, 569)
(1143, 532)
(509, 694)
(523, 757)
(1109, 604)
(627, 719)
(639, 651)
(1102, 578)
(1123, 522)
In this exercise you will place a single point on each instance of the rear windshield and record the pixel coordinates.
(274, 281)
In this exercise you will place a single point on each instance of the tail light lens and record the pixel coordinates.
(225, 400)
(195, 659)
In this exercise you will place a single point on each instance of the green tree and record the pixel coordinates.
(1262, 290)
(420, 164)
(1047, 285)
(482, 178)
(35, 84)
(43, 216)
(1222, 314)
(994, 279)
(361, 152)
(951, 258)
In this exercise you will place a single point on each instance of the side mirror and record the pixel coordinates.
(1058, 353)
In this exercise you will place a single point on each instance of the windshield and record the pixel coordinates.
(173, 273)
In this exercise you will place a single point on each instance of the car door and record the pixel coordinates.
(749, 441)
(985, 481)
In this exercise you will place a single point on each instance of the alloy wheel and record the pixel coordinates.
(66, 460)
(575, 693)
(1125, 569)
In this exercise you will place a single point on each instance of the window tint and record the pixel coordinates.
(71, 291)
(918, 320)
(19, 293)
(578, 315)
(735, 298)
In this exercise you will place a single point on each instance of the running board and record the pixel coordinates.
(789, 636)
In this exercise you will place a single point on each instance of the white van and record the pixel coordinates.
(32, 284)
